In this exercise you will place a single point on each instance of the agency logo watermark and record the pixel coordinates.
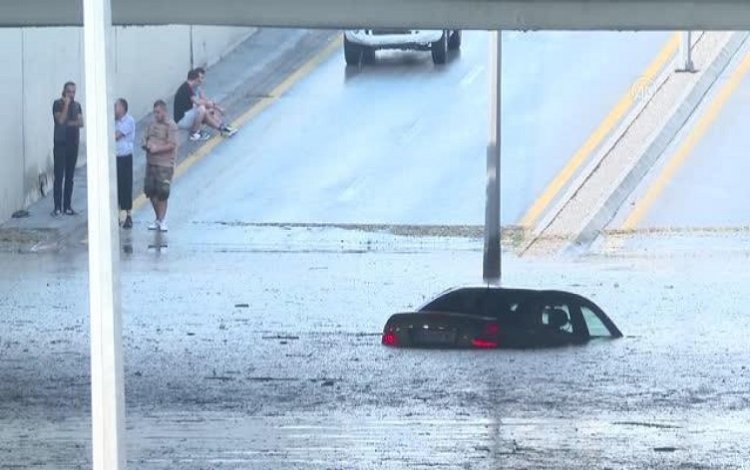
(643, 89)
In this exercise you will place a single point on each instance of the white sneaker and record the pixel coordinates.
(154, 225)
(228, 131)
(199, 136)
(163, 227)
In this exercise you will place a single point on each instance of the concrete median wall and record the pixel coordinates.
(149, 63)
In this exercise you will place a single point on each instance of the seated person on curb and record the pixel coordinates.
(191, 112)
(213, 109)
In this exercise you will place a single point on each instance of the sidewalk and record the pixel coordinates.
(242, 79)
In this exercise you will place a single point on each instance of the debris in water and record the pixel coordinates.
(281, 337)
(220, 378)
(646, 424)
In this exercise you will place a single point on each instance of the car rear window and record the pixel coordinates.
(485, 302)
(461, 301)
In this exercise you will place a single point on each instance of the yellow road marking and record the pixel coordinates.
(687, 145)
(256, 109)
(601, 132)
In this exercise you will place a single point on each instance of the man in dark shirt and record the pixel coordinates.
(191, 111)
(68, 119)
(183, 99)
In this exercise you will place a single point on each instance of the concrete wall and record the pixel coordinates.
(149, 63)
(11, 137)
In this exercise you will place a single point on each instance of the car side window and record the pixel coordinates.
(556, 316)
(505, 306)
(595, 325)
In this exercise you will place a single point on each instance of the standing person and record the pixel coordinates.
(124, 139)
(160, 144)
(190, 110)
(68, 119)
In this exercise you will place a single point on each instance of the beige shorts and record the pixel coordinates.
(158, 182)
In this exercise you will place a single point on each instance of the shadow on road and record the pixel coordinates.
(390, 62)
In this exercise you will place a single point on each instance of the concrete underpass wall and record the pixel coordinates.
(149, 63)
(11, 153)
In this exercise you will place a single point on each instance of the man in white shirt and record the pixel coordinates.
(124, 139)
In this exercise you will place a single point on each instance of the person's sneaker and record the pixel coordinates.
(154, 225)
(128, 224)
(228, 131)
(70, 211)
(163, 227)
(198, 136)
(57, 213)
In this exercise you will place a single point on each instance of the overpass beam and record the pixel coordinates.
(107, 388)
(492, 236)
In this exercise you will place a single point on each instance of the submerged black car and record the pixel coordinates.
(490, 317)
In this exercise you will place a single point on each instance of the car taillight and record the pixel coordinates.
(488, 338)
(484, 344)
(491, 329)
(390, 339)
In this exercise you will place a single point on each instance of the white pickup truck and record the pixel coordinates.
(360, 44)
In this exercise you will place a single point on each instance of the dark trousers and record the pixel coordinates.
(66, 156)
(125, 182)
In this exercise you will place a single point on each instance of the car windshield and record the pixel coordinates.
(596, 327)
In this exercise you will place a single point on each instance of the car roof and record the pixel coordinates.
(505, 290)
(522, 294)
(519, 296)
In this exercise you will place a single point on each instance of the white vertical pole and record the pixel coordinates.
(492, 250)
(107, 388)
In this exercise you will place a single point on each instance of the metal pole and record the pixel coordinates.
(107, 389)
(492, 249)
(686, 52)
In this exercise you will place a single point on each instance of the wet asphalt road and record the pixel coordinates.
(258, 347)
(403, 141)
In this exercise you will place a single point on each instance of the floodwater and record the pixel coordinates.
(266, 354)
(257, 347)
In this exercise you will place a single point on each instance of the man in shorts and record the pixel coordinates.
(216, 111)
(191, 111)
(160, 144)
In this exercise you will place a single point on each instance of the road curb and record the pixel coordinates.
(595, 161)
(668, 133)
(600, 190)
